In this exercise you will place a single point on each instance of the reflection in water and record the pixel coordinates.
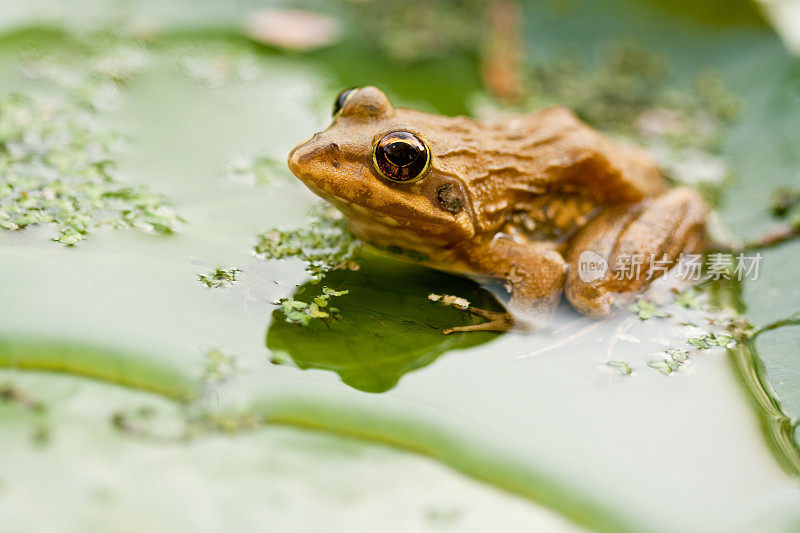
(386, 326)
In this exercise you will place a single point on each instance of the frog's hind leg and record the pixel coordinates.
(624, 248)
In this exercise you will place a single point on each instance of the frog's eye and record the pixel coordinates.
(401, 156)
(341, 98)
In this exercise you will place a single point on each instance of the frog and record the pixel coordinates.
(539, 206)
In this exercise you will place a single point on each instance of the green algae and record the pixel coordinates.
(58, 168)
(325, 244)
(219, 277)
(705, 341)
(58, 156)
(676, 357)
(623, 367)
(298, 312)
(645, 310)
(689, 299)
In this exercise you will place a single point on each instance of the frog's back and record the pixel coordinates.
(513, 164)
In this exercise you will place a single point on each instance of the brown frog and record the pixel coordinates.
(536, 203)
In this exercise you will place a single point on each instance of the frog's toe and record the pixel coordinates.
(488, 315)
(495, 321)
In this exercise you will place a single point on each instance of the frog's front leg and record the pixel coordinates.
(625, 241)
(531, 274)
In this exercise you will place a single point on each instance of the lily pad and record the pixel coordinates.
(387, 327)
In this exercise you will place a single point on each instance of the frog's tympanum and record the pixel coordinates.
(523, 203)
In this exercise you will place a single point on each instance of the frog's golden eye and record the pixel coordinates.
(401, 156)
(341, 98)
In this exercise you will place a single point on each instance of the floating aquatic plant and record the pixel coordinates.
(325, 244)
(646, 310)
(219, 278)
(707, 340)
(688, 299)
(298, 312)
(219, 366)
(623, 367)
(57, 167)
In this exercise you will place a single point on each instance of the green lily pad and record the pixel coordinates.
(387, 327)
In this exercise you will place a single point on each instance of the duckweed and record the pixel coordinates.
(325, 244)
(646, 310)
(298, 312)
(58, 168)
(623, 367)
(220, 277)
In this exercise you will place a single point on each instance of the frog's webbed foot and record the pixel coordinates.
(625, 248)
(531, 276)
(495, 321)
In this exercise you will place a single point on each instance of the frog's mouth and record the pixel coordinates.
(365, 218)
